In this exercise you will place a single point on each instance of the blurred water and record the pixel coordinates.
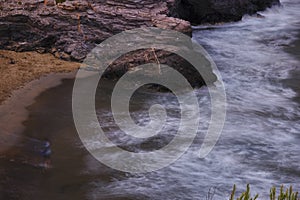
(258, 59)
(260, 141)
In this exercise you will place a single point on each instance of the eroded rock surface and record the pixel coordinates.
(72, 28)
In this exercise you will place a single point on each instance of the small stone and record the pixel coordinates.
(78, 54)
(90, 12)
(66, 6)
(12, 61)
(81, 5)
(41, 50)
(44, 12)
(65, 56)
(53, 50)
(57, 54)
(70, 48)
(260, 16)
(50, 3)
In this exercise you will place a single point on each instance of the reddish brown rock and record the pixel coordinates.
(71, 29)
(31, 25)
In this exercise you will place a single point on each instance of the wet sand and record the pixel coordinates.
(73, 170)
(24, 76)
(29, 114)
(37, 72)
(14, 111)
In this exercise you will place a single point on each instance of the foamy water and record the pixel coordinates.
(260, 143)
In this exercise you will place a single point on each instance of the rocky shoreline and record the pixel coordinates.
(70, 29)
(209, 11)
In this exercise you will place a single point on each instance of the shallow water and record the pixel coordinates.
(259, 61)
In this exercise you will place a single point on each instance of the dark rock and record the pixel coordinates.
(214, 11)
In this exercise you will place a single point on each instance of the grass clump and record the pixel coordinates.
(287, 194)
(244, 196)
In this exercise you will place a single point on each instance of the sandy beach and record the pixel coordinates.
(23, 77)
(17, 69)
